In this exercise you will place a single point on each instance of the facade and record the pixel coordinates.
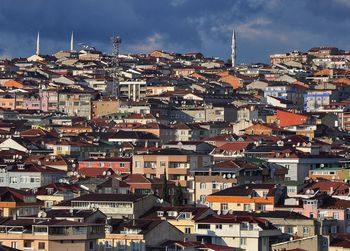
(138, 235)
(175, 163)
(210, 179)
(248, 233)
(132, 90)
(50, 234)
(118, 165)
(255, 197)
(116, 205)
(29, 176)
(75, 103)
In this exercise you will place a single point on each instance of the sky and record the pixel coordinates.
(263, 27)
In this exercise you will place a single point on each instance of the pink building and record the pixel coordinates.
(32, 101)
(118, 165)
(49, 99)
(325, 208)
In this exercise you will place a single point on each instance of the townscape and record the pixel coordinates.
(174, 151)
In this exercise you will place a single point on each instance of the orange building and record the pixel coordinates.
(260, 129)
(255, 197)
(290, 119)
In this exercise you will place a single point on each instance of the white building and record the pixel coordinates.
(246, 232)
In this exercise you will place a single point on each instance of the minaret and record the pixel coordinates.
(233, 48)
(72, 42)
(38, 44)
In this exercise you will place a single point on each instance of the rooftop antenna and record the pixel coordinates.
(38, 44)
(72, 42)
(116, 41)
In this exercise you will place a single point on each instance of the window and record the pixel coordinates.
(336, 215)
(108, 244)
(290, 230)
(49, 190)
(203, 199)
(137, 164)
(226, 185)
(203, 226)
(348, 215)
(243, 241)
(135, 246)
(187, 230)
(1, 179)
(91, 245)
(185, 216)
(305, 230)
(14, 244)
(121, 245)
(27, 244)
(218, 226)
(41, 245)
(122, 164)
(13, 179)
(162, 164)
(224, 206)
(160, 213)
(246, 207)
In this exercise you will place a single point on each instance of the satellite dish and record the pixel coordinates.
(229, 176)
(109, 173)
(42, 214)
(104, 173)
(219, 212)
(224, 176)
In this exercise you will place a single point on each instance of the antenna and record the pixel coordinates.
(116, 41)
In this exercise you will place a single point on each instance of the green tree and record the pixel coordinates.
(179, 196)
(165, 188)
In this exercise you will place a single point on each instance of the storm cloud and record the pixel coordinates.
(262, 26)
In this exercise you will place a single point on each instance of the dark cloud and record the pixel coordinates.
(263, 26)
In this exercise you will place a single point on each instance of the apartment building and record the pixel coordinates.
(248, 197)
(50, 235)
(248, 233)
(114, 205)
(222, 175)
(175, 163)
(75, 103)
